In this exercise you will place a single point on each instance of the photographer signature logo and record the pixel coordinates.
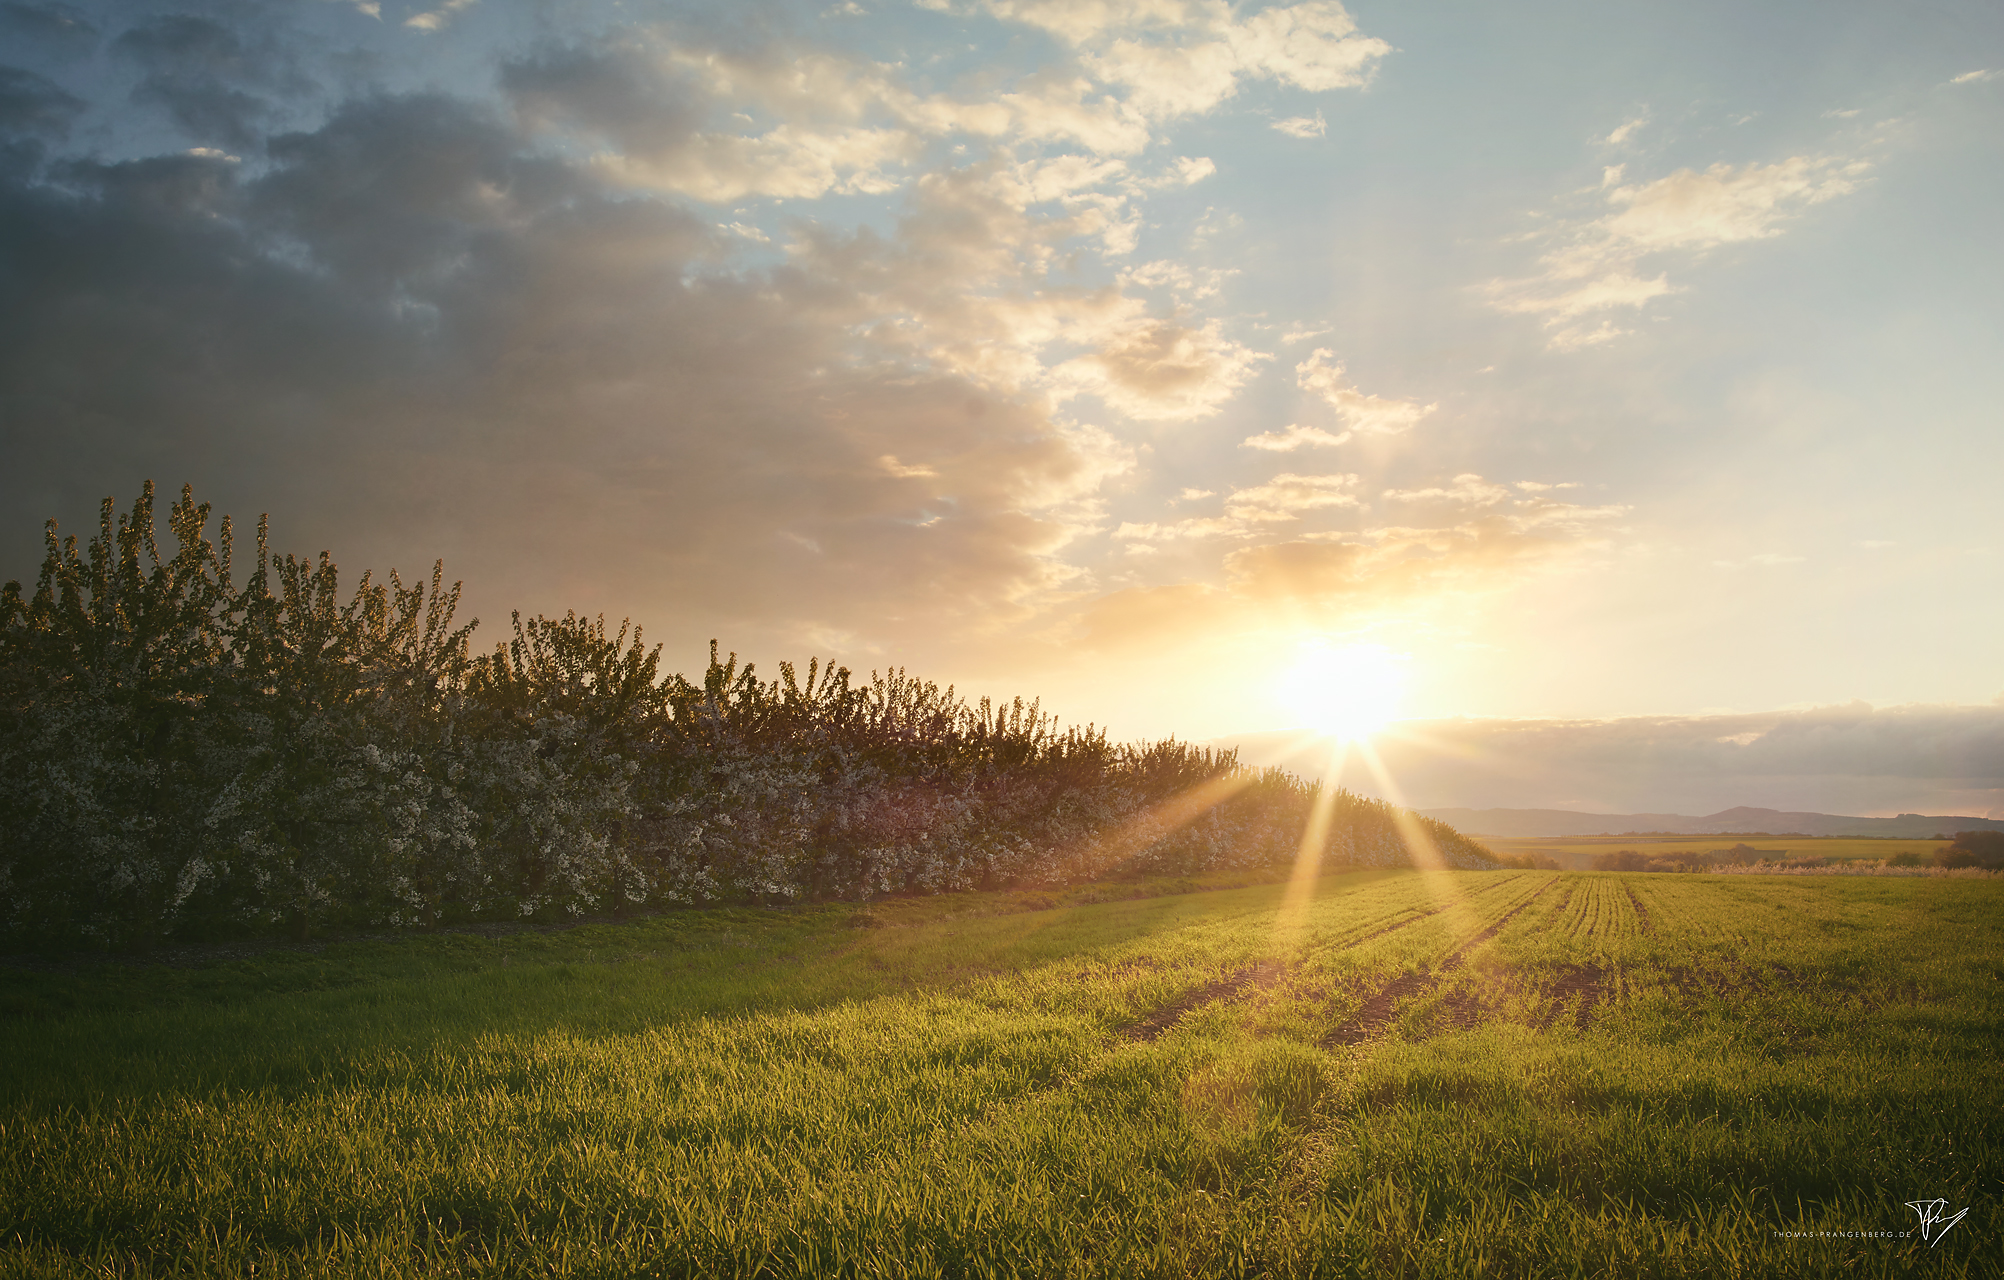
(1934, 1220)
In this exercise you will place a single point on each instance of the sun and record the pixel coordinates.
(1346, 693)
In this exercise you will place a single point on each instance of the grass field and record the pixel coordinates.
(1388, 1073)
(1576, 852)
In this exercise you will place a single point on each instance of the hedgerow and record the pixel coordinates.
(184, 756)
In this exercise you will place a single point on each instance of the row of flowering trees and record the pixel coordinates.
(182, 755)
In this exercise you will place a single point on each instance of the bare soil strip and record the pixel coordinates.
(1641, 912)
(1589, 984)
(1263, 976)
(1377, 1012)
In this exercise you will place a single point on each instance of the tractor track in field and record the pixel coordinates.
(1641, 912)
(1264, 976)
(1378, 1010)
(1268, 974)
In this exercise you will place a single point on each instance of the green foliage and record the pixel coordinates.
(184, 757)
(1973, 849)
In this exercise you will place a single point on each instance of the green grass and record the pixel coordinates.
(1201, 1084)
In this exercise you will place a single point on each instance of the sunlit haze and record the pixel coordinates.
(1346, 694)
(1200, 369)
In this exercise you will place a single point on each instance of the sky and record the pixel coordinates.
(1603, 370)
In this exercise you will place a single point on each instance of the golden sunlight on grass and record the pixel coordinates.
(1346, 693)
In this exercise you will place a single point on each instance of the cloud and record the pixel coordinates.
(1175, 59)
(1596, 264)
(203, 74)
(842, 125)
(416, 333)
(1340, 578)
(1252, 509)
(1976, 77)
(1468, 490)
(1851, 759)
(1302, 126)
(1723, 205)
(1195, 284)
(1286, 494)
(580, 330)
(1188, 171)
(59, 31)
(1391, 563)
(1161, 370)
(1626, 130)
(436, 19)
(1364, 414)
(33, 104)
(1294, 436)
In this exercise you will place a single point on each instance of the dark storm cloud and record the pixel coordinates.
(50, 30)
(33, 104)
(213, 81)
(408, 334)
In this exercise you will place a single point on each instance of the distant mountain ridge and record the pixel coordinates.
(1567, 822)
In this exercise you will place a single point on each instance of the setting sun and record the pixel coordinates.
(1347, 693)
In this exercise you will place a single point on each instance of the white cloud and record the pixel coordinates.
(1302, 126)
(1161, 370)
(1294, 436)
(1467, 489)
(1284, 495)
(1625, 131)
(1368, 414)
(435, 19)
(1177, 58)
(890, 466)
(1187, 283)
(1597, 264)
(1976, 77)
(1690, 210)
(1252, 510)
(1188, 172)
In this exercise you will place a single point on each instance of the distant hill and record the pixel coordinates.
(1743, 820)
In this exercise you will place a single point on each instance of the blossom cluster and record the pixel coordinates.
(180, 755)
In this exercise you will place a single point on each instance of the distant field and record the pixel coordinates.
(1395, 1073)
(1577, 851)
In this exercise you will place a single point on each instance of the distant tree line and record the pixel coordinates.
(1983, 849)
(1969, 849)
(185, 755)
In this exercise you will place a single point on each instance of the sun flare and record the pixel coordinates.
(1346, 693)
